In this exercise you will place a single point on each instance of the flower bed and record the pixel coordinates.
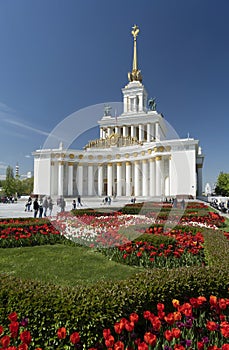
(22, 233)
(197, 324)
(127, 311)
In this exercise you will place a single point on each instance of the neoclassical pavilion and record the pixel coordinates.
(132, 157)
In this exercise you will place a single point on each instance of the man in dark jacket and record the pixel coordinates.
(35, 207)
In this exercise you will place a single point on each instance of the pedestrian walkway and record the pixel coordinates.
(17, 210)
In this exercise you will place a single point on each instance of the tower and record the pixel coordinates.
(134, 93)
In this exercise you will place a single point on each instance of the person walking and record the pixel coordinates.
(79, 204)
(73, 204)
(41, 209)
(62, 204)
(45, 206)
(50, 206)
(35, 207)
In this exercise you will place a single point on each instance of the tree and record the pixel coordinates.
(9, 185)
(222, 185)
(27, 186)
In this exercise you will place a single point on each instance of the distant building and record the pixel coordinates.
(208, 189)
(132, 157)
(17, 170)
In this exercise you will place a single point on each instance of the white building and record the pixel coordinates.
(132, 157)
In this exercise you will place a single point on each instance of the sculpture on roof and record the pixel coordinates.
(107, 110)
(152, 104)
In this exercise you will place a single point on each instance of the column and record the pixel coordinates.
(124, 130)
(101, 133)
(109, 179)
(157, 134)
(145, 187)
(119, 179)
(152, 177)
(170, 170)
(117, 130)
(128, 179)
(137, 191)
(61, 178)
(79, 179)
(134, 105)
(109, 131)
(141, 132)
(158, 175)
(100, 179)
(70, 178)
(140, 103)
(125, 104)
(90, 180)
(199, 180)
(133, 131)
(149, 133)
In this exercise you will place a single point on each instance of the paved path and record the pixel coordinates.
(17, 210)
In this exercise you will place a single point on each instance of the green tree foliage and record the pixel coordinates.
(27, 186)
(15, 186)
(222, 185)
(9, 184)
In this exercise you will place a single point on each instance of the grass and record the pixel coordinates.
(62, 265)
(227, 225)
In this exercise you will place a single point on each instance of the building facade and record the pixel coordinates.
(132, 156)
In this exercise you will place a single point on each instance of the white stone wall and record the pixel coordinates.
(42, 171)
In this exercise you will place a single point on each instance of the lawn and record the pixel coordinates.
(62, 265)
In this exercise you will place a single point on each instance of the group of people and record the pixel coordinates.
(40, 207)
(220, 205)
(107, 200)
(79, 203)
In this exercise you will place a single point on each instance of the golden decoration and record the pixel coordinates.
(70, 163)
(118, 156)
(100, 157)
(158, 158)
(57, 155)
(127, 155)
(71, 156)
(90, 157)
(143, 153)
(128, 163)
(149, 151)
(63, 155)
(61, 162)
(119, 163)
(135, 154)
(109, 156)
(80, 156)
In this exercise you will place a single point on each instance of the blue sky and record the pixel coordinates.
(58, 56)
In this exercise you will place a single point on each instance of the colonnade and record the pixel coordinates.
(143, 132)
(143, 177)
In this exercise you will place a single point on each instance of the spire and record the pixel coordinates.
(135, 75)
